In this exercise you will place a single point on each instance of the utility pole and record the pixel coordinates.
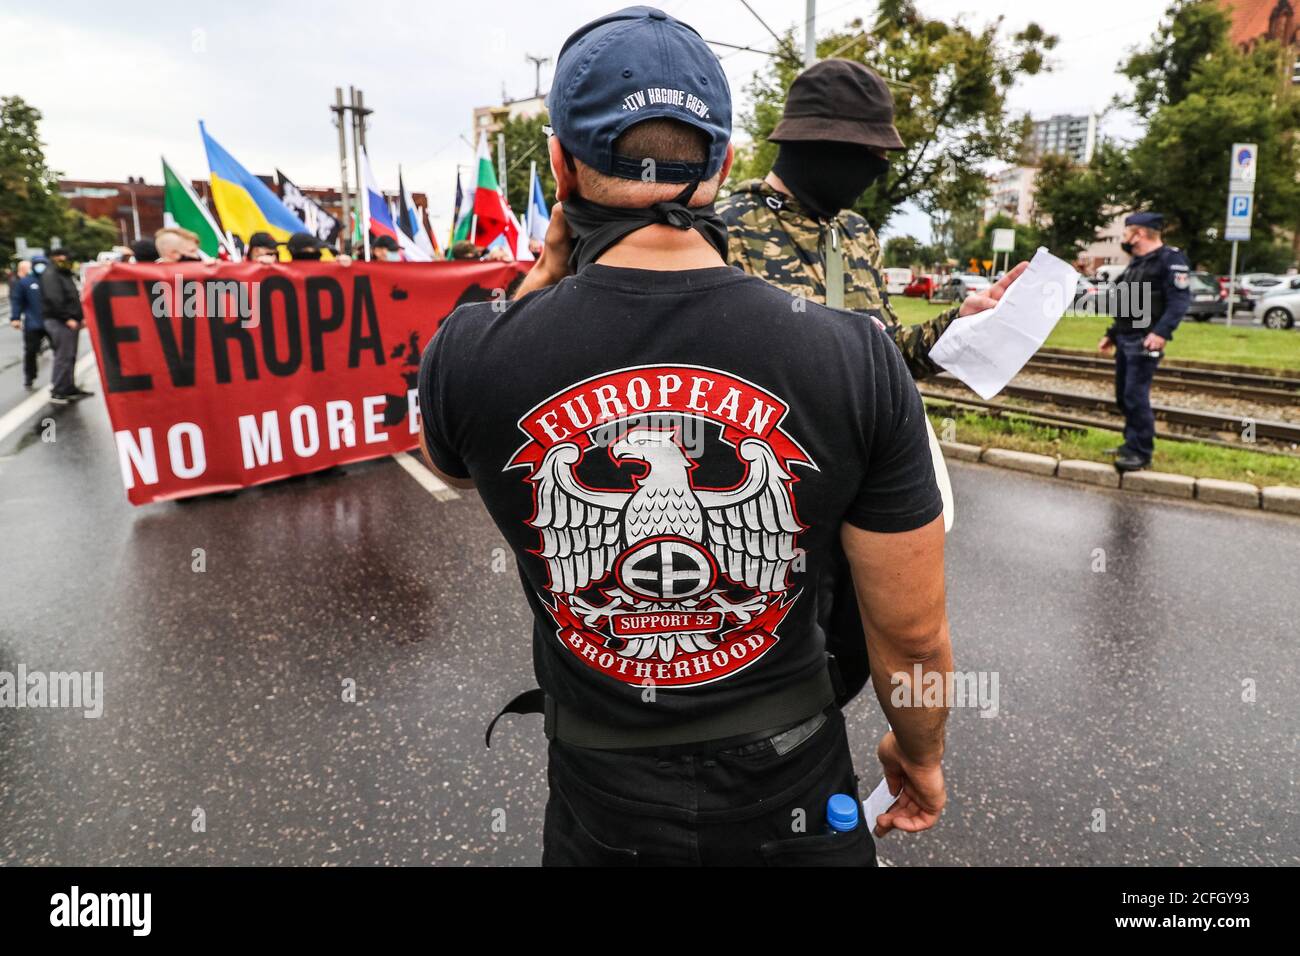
(349, 214)
(810, 34)
(537, 62)
(359, 113)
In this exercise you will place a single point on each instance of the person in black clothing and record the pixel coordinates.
(672, 449)
(1151, 297)
(61, 311)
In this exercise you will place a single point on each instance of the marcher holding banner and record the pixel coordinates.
(222, 376)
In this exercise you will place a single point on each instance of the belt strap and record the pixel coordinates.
(773, 711)
(834, 259)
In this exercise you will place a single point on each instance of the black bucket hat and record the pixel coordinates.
(839, 101)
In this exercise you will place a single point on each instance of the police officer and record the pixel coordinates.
(673, 456)
(796, 227)
(1150, 299)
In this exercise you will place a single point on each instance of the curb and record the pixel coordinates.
(1278, 499)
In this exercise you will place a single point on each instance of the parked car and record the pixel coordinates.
(1092, 296)
(1280, 306)
(921, 287)
(957, 287)
(1255, 284)
(1207, 299)
(896, 280)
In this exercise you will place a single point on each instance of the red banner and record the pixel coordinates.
(220, 376)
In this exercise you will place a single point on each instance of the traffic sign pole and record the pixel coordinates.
(1232, 281)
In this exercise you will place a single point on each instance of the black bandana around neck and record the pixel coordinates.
(596, 227)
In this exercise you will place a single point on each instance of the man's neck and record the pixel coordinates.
(777, 183)
(662, 248)
(1152, 247)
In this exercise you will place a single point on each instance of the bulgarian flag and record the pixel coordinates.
(182, 208)
(487, 217)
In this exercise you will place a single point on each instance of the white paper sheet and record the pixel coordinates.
(987, 349)
(876, 804)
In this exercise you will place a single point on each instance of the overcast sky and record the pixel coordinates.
(120, 84)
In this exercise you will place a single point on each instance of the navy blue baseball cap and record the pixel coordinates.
(1152, 220)
(634, 65)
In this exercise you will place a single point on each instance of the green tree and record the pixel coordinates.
(525, 144)
(1213, 95)
(1071, 202)
(980, 246)
(1193, 32)
(950, 85)
(30, 203)
(903, 251)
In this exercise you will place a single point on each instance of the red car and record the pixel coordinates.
(922, 287)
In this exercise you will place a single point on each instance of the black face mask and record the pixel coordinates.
(827, 177)
(596, 227)
(1127, 247)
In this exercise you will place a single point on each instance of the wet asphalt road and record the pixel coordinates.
(1120, 691)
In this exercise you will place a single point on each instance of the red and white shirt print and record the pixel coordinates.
(665, 581)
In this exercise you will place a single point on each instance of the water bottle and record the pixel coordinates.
(841, 813)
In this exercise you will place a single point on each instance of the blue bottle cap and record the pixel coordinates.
(842, 812)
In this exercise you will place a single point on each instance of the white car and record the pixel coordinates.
(896, 280)
(1279, 307)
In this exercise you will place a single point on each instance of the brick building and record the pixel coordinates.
(136, 207)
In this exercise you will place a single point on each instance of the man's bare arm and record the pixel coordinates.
(899, 583)
(428, 460)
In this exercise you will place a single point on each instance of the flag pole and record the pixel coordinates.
(528, 204)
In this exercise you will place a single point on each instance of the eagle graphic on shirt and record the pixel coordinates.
(666, 581)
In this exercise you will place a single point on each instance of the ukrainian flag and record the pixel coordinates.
(245, 203)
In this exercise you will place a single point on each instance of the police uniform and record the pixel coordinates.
(770, 235)
(1151, 296)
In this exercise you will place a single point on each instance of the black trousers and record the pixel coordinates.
(32, 339)
(1134, 371)
(64, 340)
(749, 806)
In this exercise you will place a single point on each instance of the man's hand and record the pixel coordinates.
(1106, 345)
(920, 789)
(1153, 342)
(553, 264)
(73, 324)
(16, 324)
(979, 301)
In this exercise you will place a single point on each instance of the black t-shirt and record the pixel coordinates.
(671, 455)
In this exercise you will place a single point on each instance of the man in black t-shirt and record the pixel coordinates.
(671, 448)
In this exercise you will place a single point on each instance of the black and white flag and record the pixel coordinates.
(319, 222)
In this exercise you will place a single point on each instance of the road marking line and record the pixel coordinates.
(427, 479)
(16, 416)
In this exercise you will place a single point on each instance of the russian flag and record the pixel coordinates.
(374, 208)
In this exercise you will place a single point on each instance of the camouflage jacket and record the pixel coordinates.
(770, 236)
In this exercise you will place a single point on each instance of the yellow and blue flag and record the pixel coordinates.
(245, 203)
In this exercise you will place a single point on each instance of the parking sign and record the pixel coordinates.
(1240, 209)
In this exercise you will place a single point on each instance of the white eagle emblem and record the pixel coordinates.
(665, 542)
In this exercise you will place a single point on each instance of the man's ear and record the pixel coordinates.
(565, 178)
(726, 163)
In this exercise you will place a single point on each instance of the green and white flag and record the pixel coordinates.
(182, 208)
